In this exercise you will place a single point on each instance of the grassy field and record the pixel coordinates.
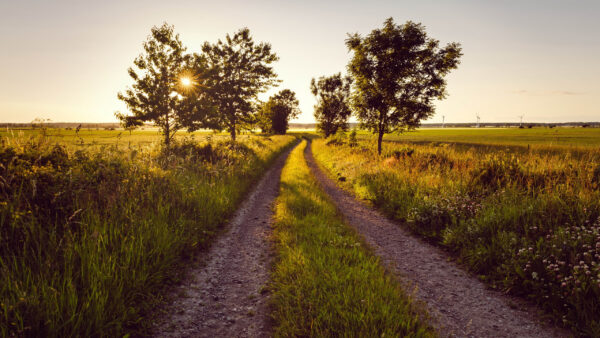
(325, 282)
(94, 138)
(535, 137)
(527, 222)
(90, 233)
(93, 223)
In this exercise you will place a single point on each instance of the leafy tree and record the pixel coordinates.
(332, 109)
(276, 113)
(125, 124)
(398, 71)
(198, 103)
(263, 117)
(164, 87)
(284, 108)
(241, 70)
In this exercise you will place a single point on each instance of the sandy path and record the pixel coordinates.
(461, 306)
(225, 297)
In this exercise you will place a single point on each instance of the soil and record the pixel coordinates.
(460, 305)
(225, 295)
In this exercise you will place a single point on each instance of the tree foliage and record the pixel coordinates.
(332, 109)
(398, 71)
(240, 69)
(158, 94)
(275, 114)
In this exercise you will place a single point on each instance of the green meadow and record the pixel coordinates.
(562, 137)
(94, 137)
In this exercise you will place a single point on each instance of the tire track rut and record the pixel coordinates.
(461, 305)
(225, 296)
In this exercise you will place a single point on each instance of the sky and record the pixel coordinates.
(66, 60)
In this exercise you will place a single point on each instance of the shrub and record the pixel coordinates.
(352, 140)
(338, 139)
(404, 152)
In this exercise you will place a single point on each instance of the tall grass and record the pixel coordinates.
(527, 222)
(87, 237)
(325, 283)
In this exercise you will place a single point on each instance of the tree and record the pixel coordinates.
(130, 126)
(275, 114)
(164, 86)
(284, 108)
(398, 71)
(241, 70)
(263, 117)
(332, 109)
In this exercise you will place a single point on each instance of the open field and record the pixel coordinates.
(94, 224)
(527, 222)
(92, 137)
(89, 236)
(560, 137)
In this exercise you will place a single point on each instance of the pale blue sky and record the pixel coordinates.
(66, 60)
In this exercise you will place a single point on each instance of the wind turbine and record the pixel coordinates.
(521, 122)
(443, 121)
(478, 119)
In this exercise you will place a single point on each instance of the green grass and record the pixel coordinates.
(562, 137)
(92, 138)
(325, 282)
(526, 222)
(89, 236)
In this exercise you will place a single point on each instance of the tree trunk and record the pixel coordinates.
(379, 140)
(167, 132)
(232, 131)
(381, 130)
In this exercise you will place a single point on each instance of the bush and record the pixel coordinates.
(352, 140)
(404, 152)
(338, 139)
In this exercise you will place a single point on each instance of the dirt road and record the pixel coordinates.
(225, 296)
(460, 305)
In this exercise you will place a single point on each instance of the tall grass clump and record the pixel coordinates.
(526, 222)
(325, 282)
(87, 237)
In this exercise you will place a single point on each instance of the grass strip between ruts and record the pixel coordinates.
(325, 281)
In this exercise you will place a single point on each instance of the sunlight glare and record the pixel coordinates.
(186, 81)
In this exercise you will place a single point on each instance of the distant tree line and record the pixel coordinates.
(215, 89)
(352, 125)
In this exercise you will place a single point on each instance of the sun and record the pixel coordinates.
(186, 81)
